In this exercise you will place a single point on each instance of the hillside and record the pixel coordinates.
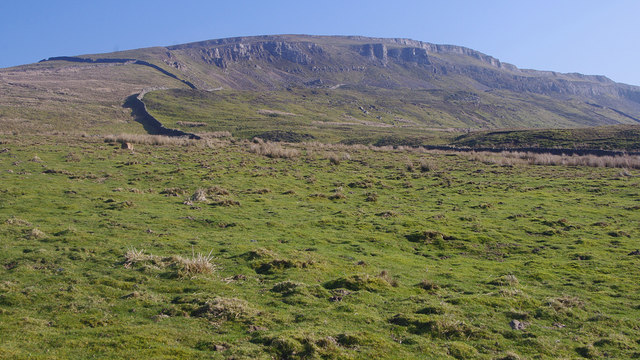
(386, 83)
(316, 198)
(227, 249)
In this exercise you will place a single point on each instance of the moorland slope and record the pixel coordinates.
(393, 83)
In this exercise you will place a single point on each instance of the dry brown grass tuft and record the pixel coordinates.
(134, 256)
(334, 159)
(17, 221)
(520, 158)
(426, 166)
(150, 139)
(199, 195)
(196, 264)
(185, 266)
(272, 150)
(215, 134)
(37, 234)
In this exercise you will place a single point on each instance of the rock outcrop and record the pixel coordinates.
(270, 51)
(404, 54)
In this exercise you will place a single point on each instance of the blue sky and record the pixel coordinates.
(591, 37)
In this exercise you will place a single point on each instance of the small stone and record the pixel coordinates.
(218, 347)
(517, 325)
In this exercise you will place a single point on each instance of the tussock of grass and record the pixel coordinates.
(565, 303)
(173, 191)
(37, 234)
(360, 282)
(521, 158)
(221, 308)
(272, 150)
(150, 139)
(427, 166)
(199, 195)
(134, 256)
(17, 221)
(195, 265)
(184, 266)
(428, 285)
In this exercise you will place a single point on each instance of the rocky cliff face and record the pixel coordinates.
(301, 53)
(277, 62)
(404, 54)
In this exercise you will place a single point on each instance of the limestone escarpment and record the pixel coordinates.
(269, 51)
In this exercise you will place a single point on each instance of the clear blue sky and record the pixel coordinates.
(592, 37)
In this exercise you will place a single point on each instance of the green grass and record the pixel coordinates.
(437, 263)
(357, 114)
(621, 137)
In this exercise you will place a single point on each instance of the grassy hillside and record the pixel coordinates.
(364, 114)
(221, 249)
(605, 137)
(414, 86)
(61, 96)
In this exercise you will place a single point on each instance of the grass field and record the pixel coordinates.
(358, 114)
(232, 249)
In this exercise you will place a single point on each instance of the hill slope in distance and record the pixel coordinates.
(314, 85)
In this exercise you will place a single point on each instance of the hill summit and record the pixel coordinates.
(468, 88)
